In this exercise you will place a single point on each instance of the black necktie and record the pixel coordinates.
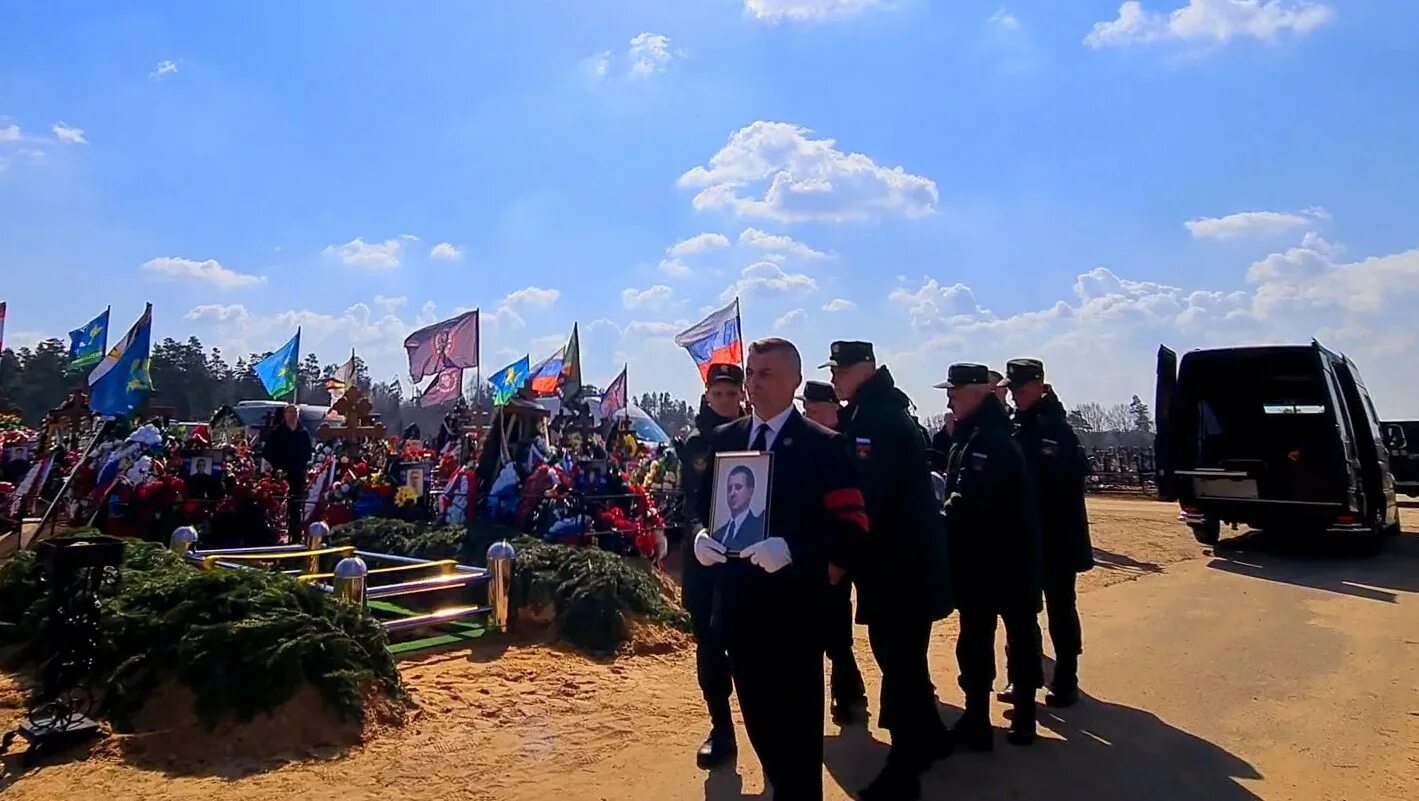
(761, 441)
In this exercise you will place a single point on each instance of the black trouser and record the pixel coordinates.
(975, 650)
(711, 650)
(908, 697)
(780, 684)
(847, 679)
(1064, 630)
(295, 506)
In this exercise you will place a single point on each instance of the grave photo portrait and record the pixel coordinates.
(740, 516)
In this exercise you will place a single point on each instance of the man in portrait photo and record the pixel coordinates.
(744, 527)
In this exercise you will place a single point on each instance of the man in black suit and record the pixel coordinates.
(744, 528)
(772, 598)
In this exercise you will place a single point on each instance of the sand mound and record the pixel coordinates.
(167, 736)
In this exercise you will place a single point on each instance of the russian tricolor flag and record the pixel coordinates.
(715, 339)
(547, 376)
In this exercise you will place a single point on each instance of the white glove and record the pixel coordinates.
(770, 554)
(662, 546)
(708, 550)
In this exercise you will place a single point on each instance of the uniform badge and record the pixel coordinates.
(864, 447)
(701, 463)
(978, 461)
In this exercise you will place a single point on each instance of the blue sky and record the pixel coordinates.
(952, 180)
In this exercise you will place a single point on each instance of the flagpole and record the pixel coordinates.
(739, 323)
(296, 393)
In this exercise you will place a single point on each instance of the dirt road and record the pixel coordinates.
(1255, 674)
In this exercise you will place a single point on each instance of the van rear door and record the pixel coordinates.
(1369, 440)
(1165, 437)
(1329, 362)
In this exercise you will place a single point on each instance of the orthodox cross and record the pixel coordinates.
(360, 424)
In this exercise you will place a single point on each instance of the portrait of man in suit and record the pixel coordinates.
(742, 494)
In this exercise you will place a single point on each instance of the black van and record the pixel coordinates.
(1272, 437)
(1402, 442)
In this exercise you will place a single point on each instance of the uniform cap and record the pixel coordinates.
(964, 374)
(1023, 371)
(725, 372)
(818, 392)
(848, 353)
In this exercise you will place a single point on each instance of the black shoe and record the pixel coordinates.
(1062, 695)
(1022, 724)
(718, 749)
(900, 780)
(1007, 695)
(850, 712)
(973, 731)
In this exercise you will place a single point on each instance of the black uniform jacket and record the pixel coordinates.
(815, 504)
(905, 571)
(1060, 469)
(288, 450)
(991, 519)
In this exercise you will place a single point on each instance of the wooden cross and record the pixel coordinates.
(359, 425)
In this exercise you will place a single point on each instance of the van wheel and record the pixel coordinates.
(1207, 532)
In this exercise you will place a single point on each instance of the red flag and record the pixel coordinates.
(615, 398)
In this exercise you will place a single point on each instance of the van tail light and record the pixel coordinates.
(1347, 520)
(1192, 510)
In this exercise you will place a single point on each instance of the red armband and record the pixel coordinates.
(848, 506)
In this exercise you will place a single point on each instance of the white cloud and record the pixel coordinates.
(163, 68)
(534, 296)
(1210, 22)
(10, 133)
(598, 65)
(839, 305)
(649, 53)
(804, 179)
(209, 271)
(390, 304)
(653, 298)
(933, 304)
(776, 10)
(64, 133)
(768, 279)
(755, 238)
(699, 243)
(1253, 223)
(446, 251)
(1003, 20)
(410, 237)
(359, 253)
(674, 268)
(789, 319)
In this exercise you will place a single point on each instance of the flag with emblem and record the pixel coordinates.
(342, 379)
(507, 381)
(615, 398)
(443, 346)
(120, 383)
(445, 388)
(87, 344)
(715, 339)
(281, 371)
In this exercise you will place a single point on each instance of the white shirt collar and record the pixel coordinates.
(774, 423)
(738, 521)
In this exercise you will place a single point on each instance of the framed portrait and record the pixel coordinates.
(740, 516)
(414, 479)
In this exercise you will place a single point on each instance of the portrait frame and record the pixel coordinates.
(752, 519)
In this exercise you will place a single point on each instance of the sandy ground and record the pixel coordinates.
(1268, 671)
